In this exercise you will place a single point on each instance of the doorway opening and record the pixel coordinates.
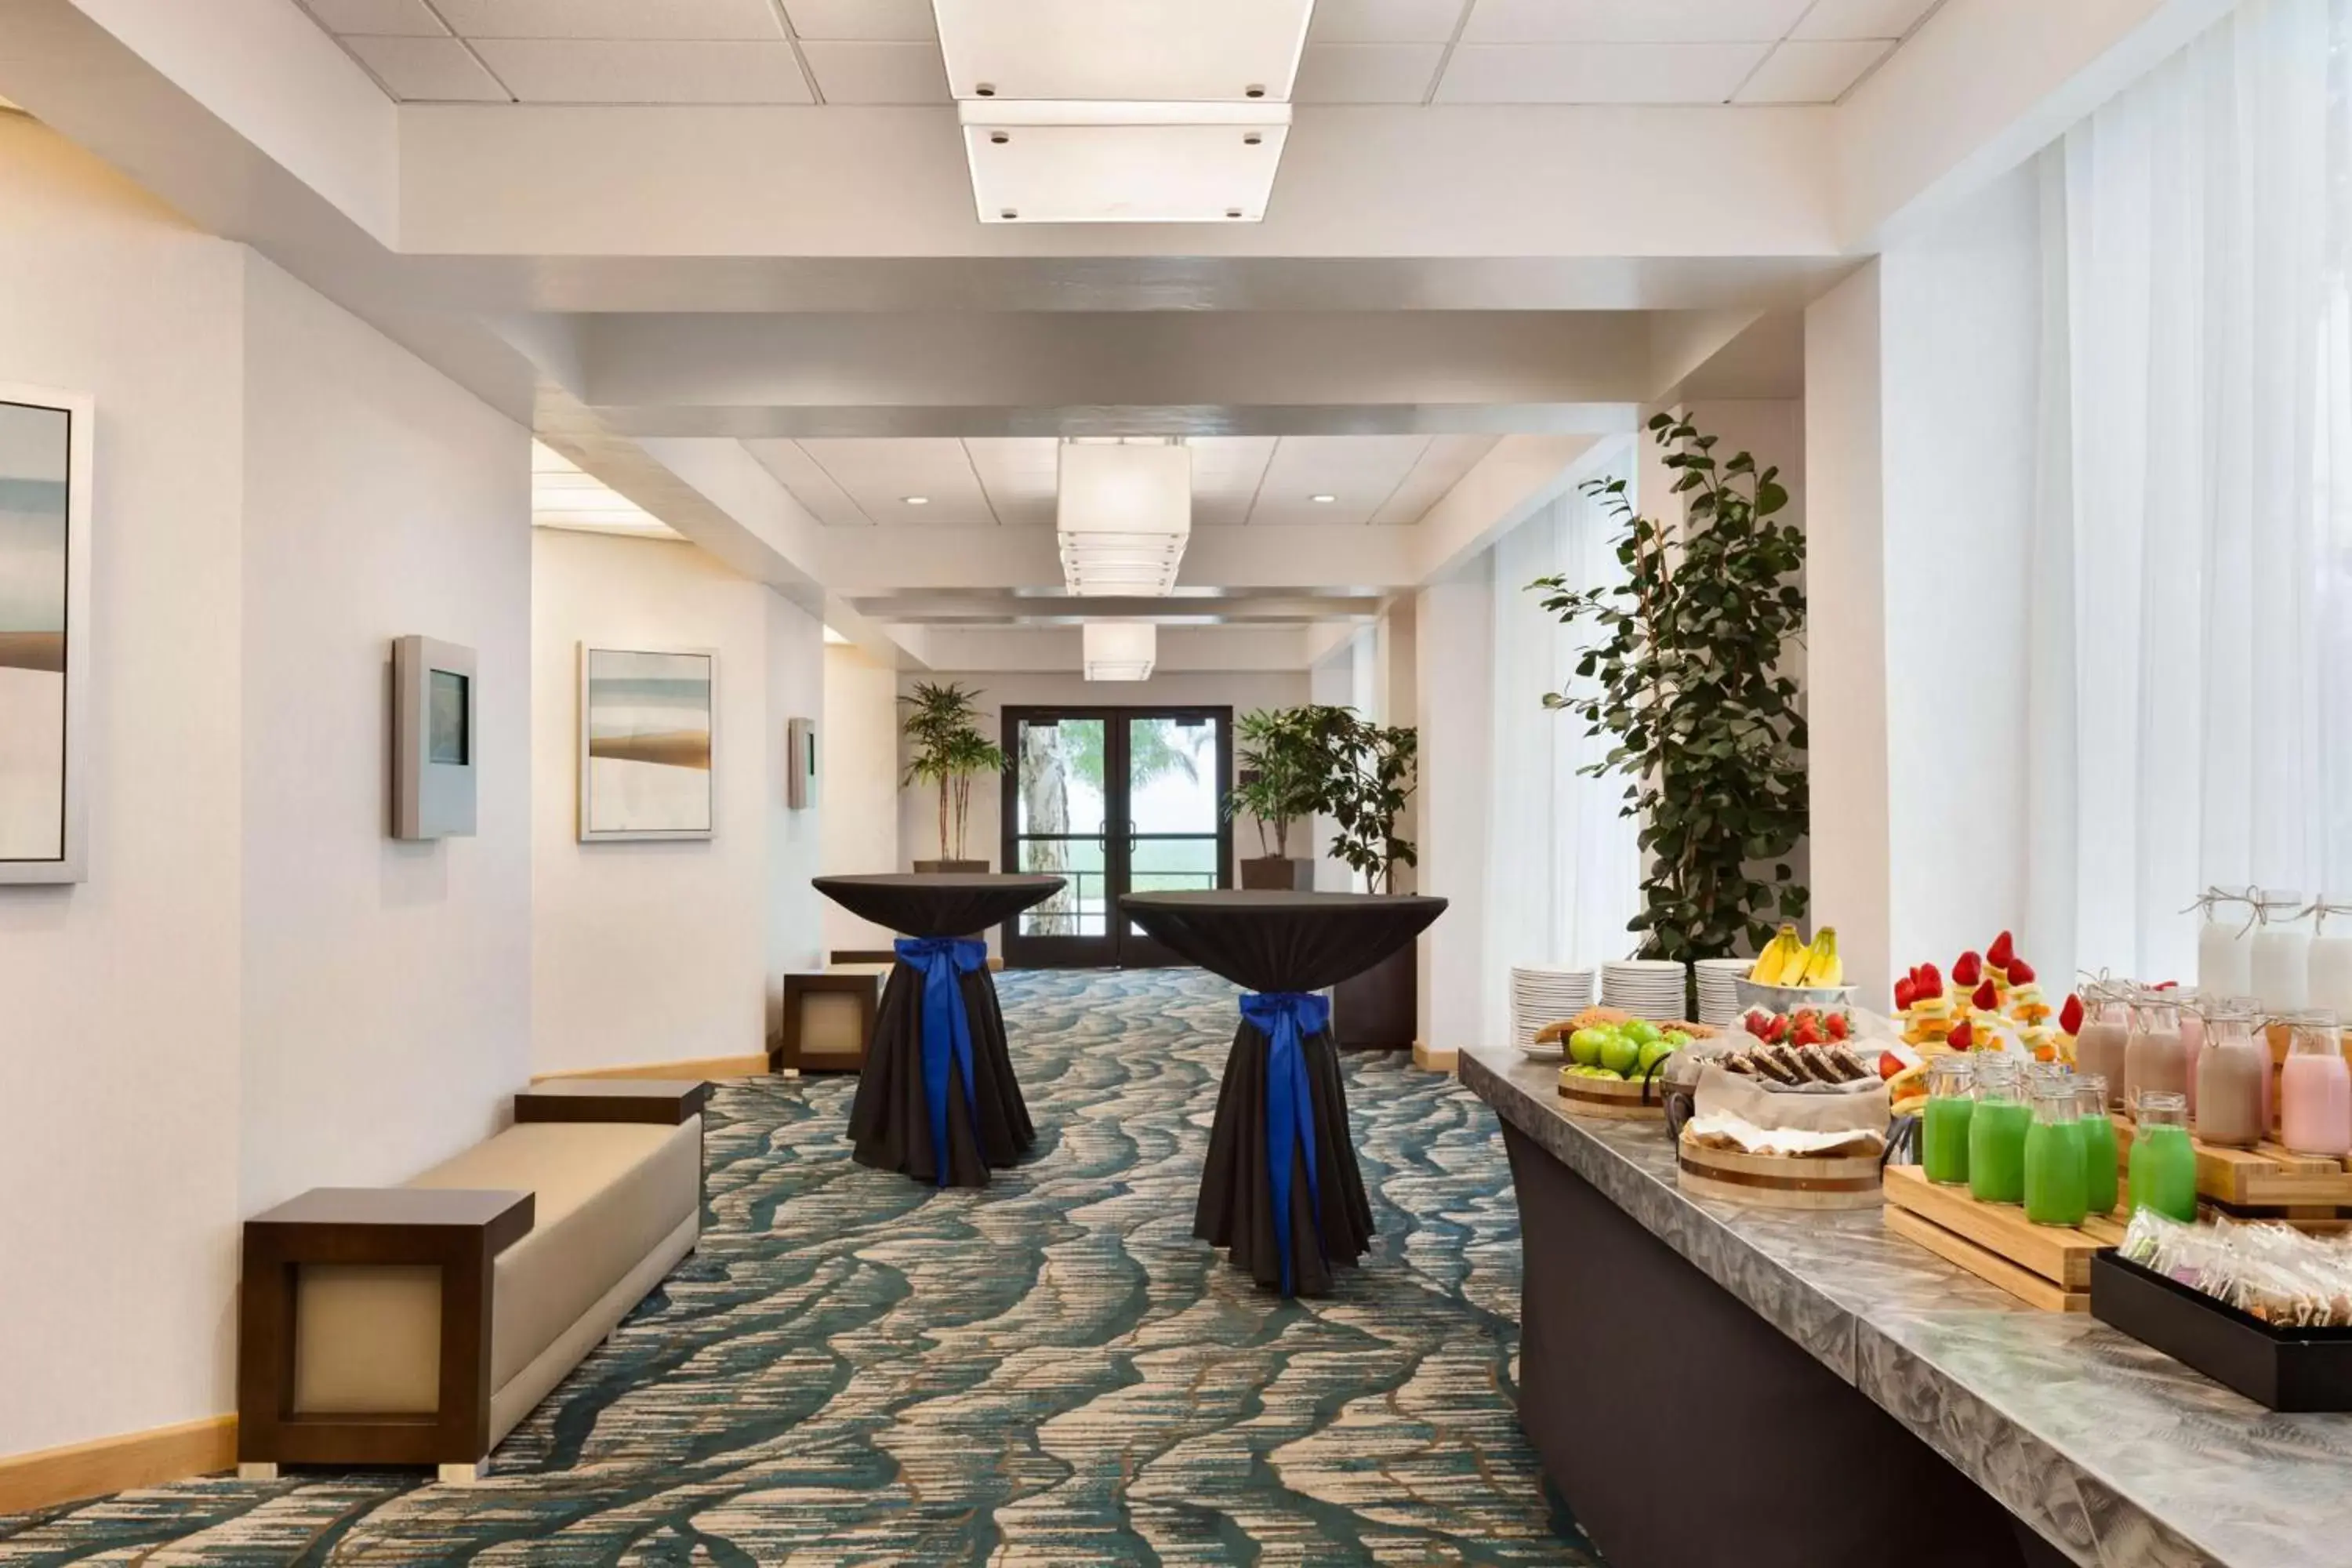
(1118, 800)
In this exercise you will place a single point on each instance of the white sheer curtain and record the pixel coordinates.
(2195, 719)
(1564, 869)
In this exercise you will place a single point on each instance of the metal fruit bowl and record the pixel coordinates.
(1788, 998)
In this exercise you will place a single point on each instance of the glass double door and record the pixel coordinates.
(1117, 800)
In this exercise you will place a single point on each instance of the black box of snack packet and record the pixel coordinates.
(2281, 1368)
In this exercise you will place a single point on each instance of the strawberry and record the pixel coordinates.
(1906, 991)
(2001, 951)
(1962, 1037)
(1889, 1063)
(1776, 1032)
(2021, 973)
(1931, 981)
(1806, 1032)
(1967, 970)
(1839, 1027)
(1986, 998)
(2070, 1016)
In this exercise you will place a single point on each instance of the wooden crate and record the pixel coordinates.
(2265, 1181)
(1778, 1181)
(1611, 1099)
(2044, 1266)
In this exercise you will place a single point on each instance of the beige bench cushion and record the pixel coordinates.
(607, 1196)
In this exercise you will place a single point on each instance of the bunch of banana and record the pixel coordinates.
(1788, 960)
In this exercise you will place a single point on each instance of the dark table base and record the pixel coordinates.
(1236, 1207)
(1684, 1429)
(891, 1120)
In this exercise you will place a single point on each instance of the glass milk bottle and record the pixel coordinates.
(2163, 1160)
(2102, 1162)
(2191, 1006)
(2225, 943)
(2330, 976)
(2232, 1074)
(2056, 1190)
(1951, 1102)
(2281, 955)
(1997, 1131)
(2155, 1057)
(2315, 1089)
(2106, 1032)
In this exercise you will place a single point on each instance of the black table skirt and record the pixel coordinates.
(1283, 941)
(890, 1120)
(1236, 1205)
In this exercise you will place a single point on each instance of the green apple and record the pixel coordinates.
(1621, 1053)
(1655, 1052)
(1641, 1031)
(1584, 1046)
(1677, 1038)
(1614, 1077)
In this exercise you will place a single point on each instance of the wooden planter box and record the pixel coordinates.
(1276, 873)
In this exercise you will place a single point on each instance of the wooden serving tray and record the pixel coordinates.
(2044, 1266)
(2264, 1177)
(1779, 1180)
(1611, 1099)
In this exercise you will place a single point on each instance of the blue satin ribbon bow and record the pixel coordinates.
(943, 962)
(1288, 1018)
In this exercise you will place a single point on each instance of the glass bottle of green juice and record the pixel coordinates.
(2101, 1162)
(2163, 1163)
(2055, 1188)
(1944, 1130)
(1996, 1130)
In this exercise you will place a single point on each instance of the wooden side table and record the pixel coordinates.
(829, 1020)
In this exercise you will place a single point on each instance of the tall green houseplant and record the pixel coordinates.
(1684, 674)
(946, 748)
(1281, 770)
(1367, 776)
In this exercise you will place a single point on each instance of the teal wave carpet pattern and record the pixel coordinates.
(855, 1370)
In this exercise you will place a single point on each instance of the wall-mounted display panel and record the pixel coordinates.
(433, 739)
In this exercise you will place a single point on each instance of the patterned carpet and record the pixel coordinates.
(855, 1370)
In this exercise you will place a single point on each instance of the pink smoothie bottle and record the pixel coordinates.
(2315, 1089)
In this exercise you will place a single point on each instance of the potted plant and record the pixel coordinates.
(947, 749)
(1685, 673)
(1367, 777)
(1280, 772)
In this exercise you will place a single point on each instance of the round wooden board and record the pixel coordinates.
(1775, 1180)
(1600, 1098)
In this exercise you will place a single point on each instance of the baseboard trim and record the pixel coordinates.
(703, 1066)
(124, 1463)
(1435, 1058)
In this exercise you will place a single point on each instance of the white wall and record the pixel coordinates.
(857, 758)
(1454, 639)
(387, 985)
(253, 991)
(666, 951)
(120, 1027)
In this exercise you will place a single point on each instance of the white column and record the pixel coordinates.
(1453, 640)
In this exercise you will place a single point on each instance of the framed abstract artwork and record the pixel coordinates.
(45, 648)
(648, 736)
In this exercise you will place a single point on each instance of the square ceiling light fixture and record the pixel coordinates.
(1123, 515)
(1122, 110)
(1120, 650)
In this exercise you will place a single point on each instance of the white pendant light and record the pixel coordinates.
(1120, 650)
(1124, 512)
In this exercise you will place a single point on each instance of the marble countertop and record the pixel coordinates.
(2115, 1453)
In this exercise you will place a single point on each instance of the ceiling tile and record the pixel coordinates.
(1359, 472)
(898, 20)
(1019, 474)
(879, 474)
(548, 71)
(1385, 21)
(1597, 73)
(810, 484)
(386, 18)
(1439, 469)
(1367, 73)
(1813, 72)
(1863, 18)
(1632, 21)
(428, 71)
(745, 19)
(1226, 473)
(850, 72)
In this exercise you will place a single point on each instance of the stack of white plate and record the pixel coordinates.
(1542, 994)
(1718, 997)
(1646, 987)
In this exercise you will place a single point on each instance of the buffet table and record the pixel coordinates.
(1821, 1392)
(938, 1071)
(1280, 1186)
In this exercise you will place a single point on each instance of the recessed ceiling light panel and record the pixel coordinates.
(1243, 50)
(1123, 163)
